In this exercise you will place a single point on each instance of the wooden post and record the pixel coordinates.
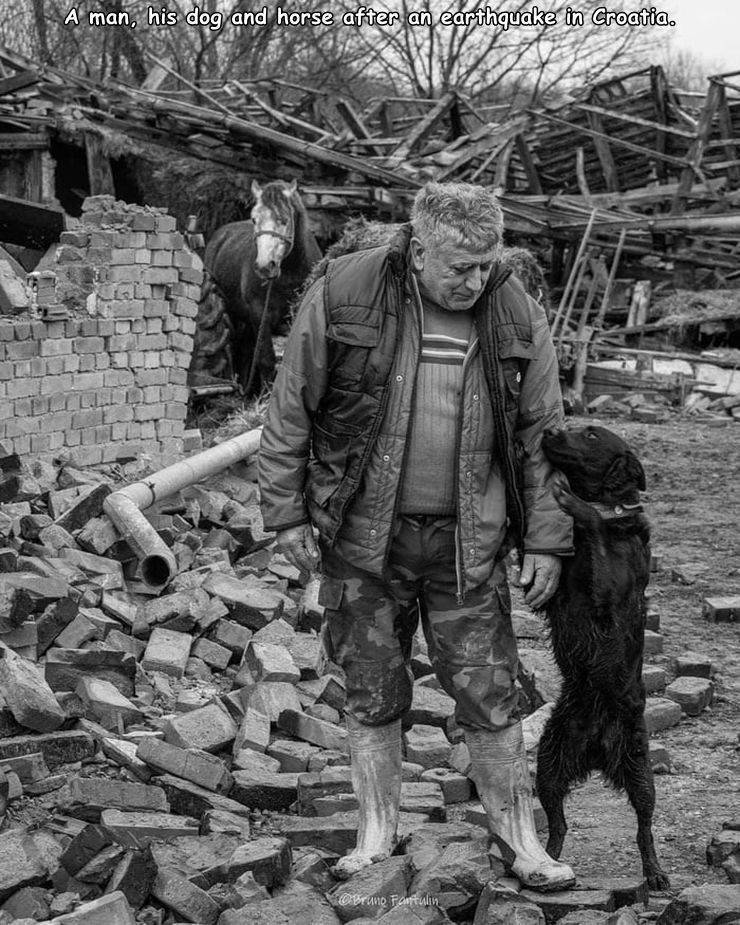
(610, 281)
(696, 150)
(725, 125)
(573, 271)
(99, 173)
(525, 156)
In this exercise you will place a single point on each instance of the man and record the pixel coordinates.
(405, 425)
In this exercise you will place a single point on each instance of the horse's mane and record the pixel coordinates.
(274, 198)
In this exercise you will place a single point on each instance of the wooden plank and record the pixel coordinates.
(18, 82)
(29, 223)
(24, 141)
(604, 153)
(525, 156)
(425, 125)
(633, 120)
(353, 122)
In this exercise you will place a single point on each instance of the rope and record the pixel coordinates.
(260, 338)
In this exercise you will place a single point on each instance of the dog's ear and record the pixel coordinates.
(624, 472)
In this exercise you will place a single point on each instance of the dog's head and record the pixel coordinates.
(598, 464)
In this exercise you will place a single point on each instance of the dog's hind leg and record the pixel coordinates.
(557, 767)
(633, 773)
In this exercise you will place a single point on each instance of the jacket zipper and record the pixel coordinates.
(459, 568)
(396, 501)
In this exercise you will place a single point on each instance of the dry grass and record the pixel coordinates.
(222, 420)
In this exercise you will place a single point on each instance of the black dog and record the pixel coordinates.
(597, 621)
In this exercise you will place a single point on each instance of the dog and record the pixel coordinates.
(596, 622)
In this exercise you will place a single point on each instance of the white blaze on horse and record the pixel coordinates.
(254, 267)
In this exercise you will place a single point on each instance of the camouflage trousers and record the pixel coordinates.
(368, 630)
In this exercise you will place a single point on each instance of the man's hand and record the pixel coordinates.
(299, 547)
(542, 572)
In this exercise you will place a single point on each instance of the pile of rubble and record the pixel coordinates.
(180, 757)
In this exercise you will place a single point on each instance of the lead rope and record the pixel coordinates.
(260, 339)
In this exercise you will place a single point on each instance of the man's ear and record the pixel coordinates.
(417, 254)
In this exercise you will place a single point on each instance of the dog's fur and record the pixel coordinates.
(597, 621)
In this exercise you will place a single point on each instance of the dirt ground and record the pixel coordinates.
(693, 471)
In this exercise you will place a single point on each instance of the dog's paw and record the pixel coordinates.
(581, 511)
(658, 881)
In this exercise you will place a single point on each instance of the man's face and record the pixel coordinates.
(453, 275)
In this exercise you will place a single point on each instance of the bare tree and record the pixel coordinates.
(483, 59)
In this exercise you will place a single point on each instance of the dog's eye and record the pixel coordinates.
(592, 436)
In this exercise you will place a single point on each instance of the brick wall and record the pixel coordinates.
(97, 370)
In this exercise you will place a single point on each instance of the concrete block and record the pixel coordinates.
(27, 695)
(427, 746)
(692, 664)
(106, 703)
(456, 787)
(186, 900)
(721, 609)
(315, 731)
(652, 643)
(269, 662)
(692, 694)
(654, 679)
(111, 909)
(135, 829)
(661, 714)
(209, 728)
(97, 793)
(167, 651)
(195, 765)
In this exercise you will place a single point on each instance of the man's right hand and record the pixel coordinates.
(298, 546)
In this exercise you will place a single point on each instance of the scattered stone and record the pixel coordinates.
(721, 609)
(208, 728)
(186, 900)
(427, 746)
(268, 859)
(272, 697)
(269, 662)
(26, 859)
(167, 651)
(253, 607)
(707, 904)
(373, 890)
(661, 714)
(627, 891)
(98, 793)
(692, 664)
(265, 791)
(557, 905)
(136, 829)
(27, 695)
(654, 679)
(212, 653)
(457, 878)
(692, 694)
(253, 732)
(502, 905)
(430, 707)
(106, 703)
(195, 765)
(28, 903)
(188, 799)
(456, 787)
(64, 747)
(660, 760)
(722, 846)
(134, 876)
(298, 902)
(652, 643)
(112, 909)
(313, 730)
(66, 667)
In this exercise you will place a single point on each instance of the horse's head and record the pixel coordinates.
(273, 217)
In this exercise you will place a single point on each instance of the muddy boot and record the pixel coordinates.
(500, 772)
(376, 781)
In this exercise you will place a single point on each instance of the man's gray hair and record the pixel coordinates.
(468, 215)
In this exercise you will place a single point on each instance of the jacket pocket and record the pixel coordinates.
(352, 335)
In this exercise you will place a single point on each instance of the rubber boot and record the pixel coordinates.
(501, 774)
(376, 780)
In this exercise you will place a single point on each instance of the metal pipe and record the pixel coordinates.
(124, 507)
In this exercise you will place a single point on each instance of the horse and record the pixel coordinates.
(253, 267)
(359, 234)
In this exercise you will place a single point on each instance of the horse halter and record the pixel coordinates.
(288, 238)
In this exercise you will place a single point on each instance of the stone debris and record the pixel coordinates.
(190, 745)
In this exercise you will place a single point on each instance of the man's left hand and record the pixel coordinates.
(542, 572)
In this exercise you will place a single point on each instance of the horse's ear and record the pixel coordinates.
(256, 191)
(292, 188)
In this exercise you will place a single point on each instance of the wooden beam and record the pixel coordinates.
(425, 125)
(694, 156)
(620, 142)
(353, 122)
(29, 224)
(604, 153)
(725, 127)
